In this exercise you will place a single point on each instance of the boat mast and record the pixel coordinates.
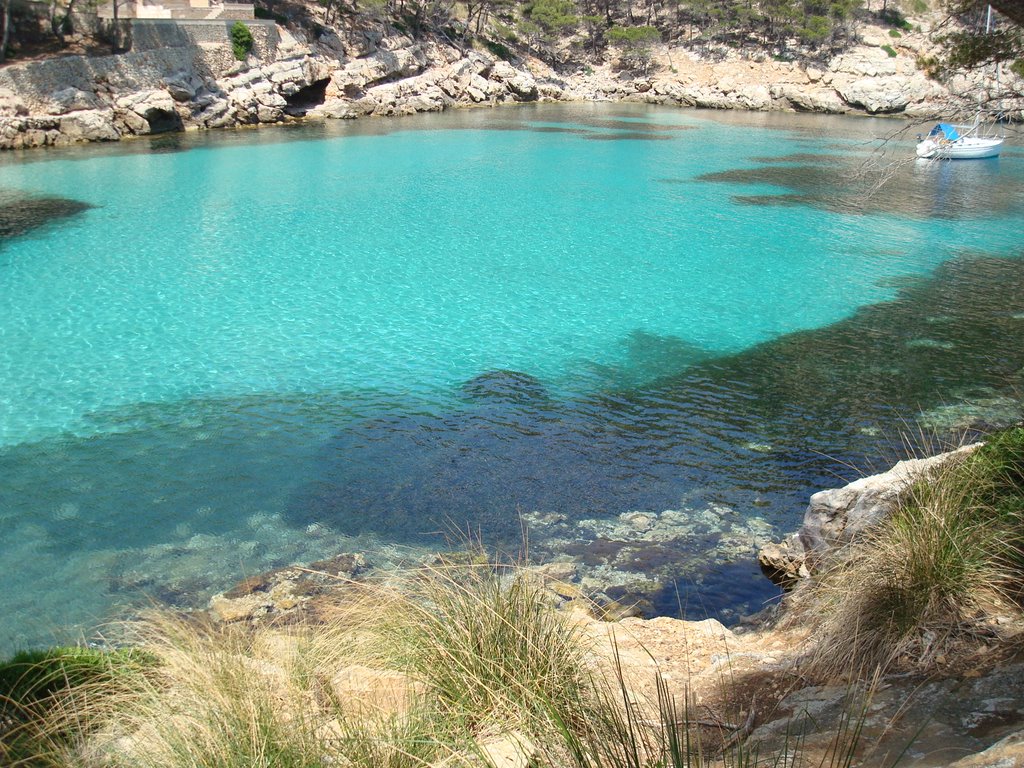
(998, 66)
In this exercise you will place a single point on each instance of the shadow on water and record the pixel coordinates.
(192, 485)
(757, 431)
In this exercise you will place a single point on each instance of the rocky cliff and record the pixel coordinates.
(189, 82)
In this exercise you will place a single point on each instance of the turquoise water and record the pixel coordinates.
(257, 348)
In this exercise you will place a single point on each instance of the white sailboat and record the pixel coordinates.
(961, 142)
(958, 142)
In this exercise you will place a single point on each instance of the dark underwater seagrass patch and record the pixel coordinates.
(20, 214)
(855, 185)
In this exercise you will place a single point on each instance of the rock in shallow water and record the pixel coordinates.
(20, 214)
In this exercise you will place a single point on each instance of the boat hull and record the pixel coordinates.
(961, 149)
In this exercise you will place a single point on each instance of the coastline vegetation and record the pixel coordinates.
(560, 31)
(938, 579)
(468, 663)
(457, 666)
(241, 40)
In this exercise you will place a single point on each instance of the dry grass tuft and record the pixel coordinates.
(925, 587)
(456, 667)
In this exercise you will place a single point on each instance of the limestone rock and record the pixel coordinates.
(783, 563)
(509, 750)
(877, 95)
(332, 45)
(181, 87)
(216, 113)
(396, 43)
(72, 99)
(813, 99)
(90, 125)
(142, 102)
(240, 608)
(11, 104)
(267, 114)
(836, 517)
(381, 66)
(128, 121)
(864, 61)
(373, 692)
(336, 109)
(1007, 753)
(523, 87)
(285, 590)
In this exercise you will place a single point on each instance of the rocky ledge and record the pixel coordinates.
(377, 71)
(753, 680)
(838, 517)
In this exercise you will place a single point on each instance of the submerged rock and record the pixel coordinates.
(21, 214)
(505, 386)
(285, 590)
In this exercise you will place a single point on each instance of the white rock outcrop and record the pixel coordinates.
(346, 73)
(837, 517)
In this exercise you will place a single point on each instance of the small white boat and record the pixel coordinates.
(957, 142)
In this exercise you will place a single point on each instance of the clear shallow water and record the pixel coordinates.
(277, 344)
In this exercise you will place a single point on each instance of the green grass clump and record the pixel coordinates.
(488, 646)
(922, 587)
(42, 694)
(471, 656)
(890, 51)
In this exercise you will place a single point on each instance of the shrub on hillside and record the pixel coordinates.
(636, 45)
(241, 40)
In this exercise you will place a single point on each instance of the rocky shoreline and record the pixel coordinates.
(186, 84)
(967, 718)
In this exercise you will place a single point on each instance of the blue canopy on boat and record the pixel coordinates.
(945, 130)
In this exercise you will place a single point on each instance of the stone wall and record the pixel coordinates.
(154, 34)
(160, 48)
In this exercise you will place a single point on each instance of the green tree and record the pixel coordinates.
(478, 12)
(241, 40)
(595, 26)
(984, 38)
(554, 17)
(815, 30)
(781, 17)
(636, 45)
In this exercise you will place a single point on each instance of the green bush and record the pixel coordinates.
(889, 50)
(894, 33)
(29, 677)
(241, 40)
(636, 44)
(500, 50)
(1018, 67)
(896, 19)
(930, 66)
